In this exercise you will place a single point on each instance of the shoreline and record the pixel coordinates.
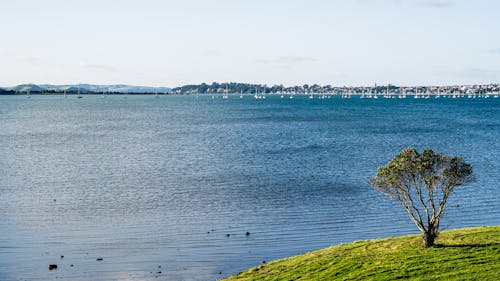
(282, 96)
(458, 254)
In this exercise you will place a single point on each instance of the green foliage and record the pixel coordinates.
(433, 169)
(465, 254)
(423, 182)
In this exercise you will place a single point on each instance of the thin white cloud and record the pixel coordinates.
(287, 60)
(495, 51)
(435, 3)
(31, 60)
(416, 3)
(481, 72)
(471, 74)
(99, 67)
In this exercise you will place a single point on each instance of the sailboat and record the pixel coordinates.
(79, 96)
(428, 94)
(311, 96)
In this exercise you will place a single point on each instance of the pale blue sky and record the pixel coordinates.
(174, 42)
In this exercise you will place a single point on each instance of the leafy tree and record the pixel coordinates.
(423, 182)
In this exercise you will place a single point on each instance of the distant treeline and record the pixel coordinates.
(245, 88)
(6, 92)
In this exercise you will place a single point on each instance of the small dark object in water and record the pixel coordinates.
(159, 272)
(159, 266)
(55, 200)
(247, 234)
(71, 265)
(52, 266)
(99, 259)
(227, 235)
(264, 262)
(62, 257)
(220, 272)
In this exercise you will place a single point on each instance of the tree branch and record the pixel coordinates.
(418, 190)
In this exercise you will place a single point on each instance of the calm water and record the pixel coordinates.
(147, 182)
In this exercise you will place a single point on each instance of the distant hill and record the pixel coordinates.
(6, 92)
(23, 88)
(89, 88)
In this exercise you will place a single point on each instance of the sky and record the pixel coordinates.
(290, 42)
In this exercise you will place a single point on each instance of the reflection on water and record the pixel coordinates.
(156, 184)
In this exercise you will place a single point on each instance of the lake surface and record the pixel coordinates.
(157, 184)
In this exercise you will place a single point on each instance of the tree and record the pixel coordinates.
(423, 182)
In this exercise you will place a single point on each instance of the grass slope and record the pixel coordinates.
(462, 254)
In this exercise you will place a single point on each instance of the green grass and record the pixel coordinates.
(462, 254)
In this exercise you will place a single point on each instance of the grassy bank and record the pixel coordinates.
(462, 254)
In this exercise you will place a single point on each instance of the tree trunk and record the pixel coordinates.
(428, 238)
